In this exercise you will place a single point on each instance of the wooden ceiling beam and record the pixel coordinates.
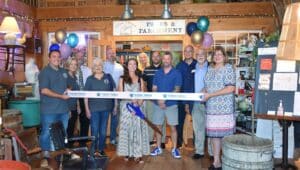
(254, 9)
(224, 24)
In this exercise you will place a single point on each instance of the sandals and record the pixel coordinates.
(97, 154)
(212, 167)
(126, 158)
(139, 160)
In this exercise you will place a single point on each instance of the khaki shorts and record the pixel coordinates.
(171, 113)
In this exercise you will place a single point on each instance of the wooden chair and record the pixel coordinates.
(25, 144)
(60, 141)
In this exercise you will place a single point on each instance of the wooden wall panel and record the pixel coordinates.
(223, 16)
(105, 28)
(18, 7)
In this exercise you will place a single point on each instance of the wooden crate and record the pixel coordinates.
(12, 119)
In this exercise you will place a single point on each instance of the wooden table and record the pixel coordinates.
(285, 122)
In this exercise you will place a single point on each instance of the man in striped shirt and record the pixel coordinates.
(148, 75)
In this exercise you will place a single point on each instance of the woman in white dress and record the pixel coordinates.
(133, 135)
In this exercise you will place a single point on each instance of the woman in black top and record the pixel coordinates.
(72, 65)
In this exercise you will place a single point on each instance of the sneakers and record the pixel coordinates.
(197, 156)
(100, 154)
(156, 151)
(103, 154)
(113, 142)
(176, 153)
(74, 156)
(44, 163)
(162, 145)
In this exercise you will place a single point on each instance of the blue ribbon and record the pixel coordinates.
(136, 109)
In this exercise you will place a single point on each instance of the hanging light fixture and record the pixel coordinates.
(128, 12)
(166, 14)
(9, 26)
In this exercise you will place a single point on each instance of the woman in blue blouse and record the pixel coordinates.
(219, 94)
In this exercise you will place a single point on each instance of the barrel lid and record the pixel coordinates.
(247, 141)
(10, 111)
(23, 101)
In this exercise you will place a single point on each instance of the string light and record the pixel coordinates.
(18, 16)
(105, 18)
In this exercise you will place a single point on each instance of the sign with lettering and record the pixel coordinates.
(149, 27)
(137, 95)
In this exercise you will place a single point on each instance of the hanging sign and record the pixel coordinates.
(149, 27)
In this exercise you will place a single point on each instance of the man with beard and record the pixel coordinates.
(148, 75)
(166, 79)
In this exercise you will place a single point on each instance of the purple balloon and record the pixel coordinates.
(65, 51)
(207, 40)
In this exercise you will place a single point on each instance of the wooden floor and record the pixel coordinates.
(167, 162)
(162, 162)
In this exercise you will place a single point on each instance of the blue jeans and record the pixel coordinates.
(98, 128)
(114, 121)
(46, 121)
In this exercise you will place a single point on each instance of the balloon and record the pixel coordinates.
(65, 51)
(207, 40)
(196, 37)
(203, 23)
(60, 36)
(54, 47)
(191, 27)
(72, 40)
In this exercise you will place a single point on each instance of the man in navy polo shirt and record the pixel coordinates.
(54, 106)
(187, 70)
(166, 79)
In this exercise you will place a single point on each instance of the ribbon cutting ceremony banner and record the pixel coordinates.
(137, 95)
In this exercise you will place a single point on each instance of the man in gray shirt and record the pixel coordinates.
(54, 106)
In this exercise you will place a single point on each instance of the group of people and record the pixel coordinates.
(56, 80)
(212, 118)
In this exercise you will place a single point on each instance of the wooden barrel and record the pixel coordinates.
(13, 165)
(12, 118)
(30, 110)
(247, 152)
